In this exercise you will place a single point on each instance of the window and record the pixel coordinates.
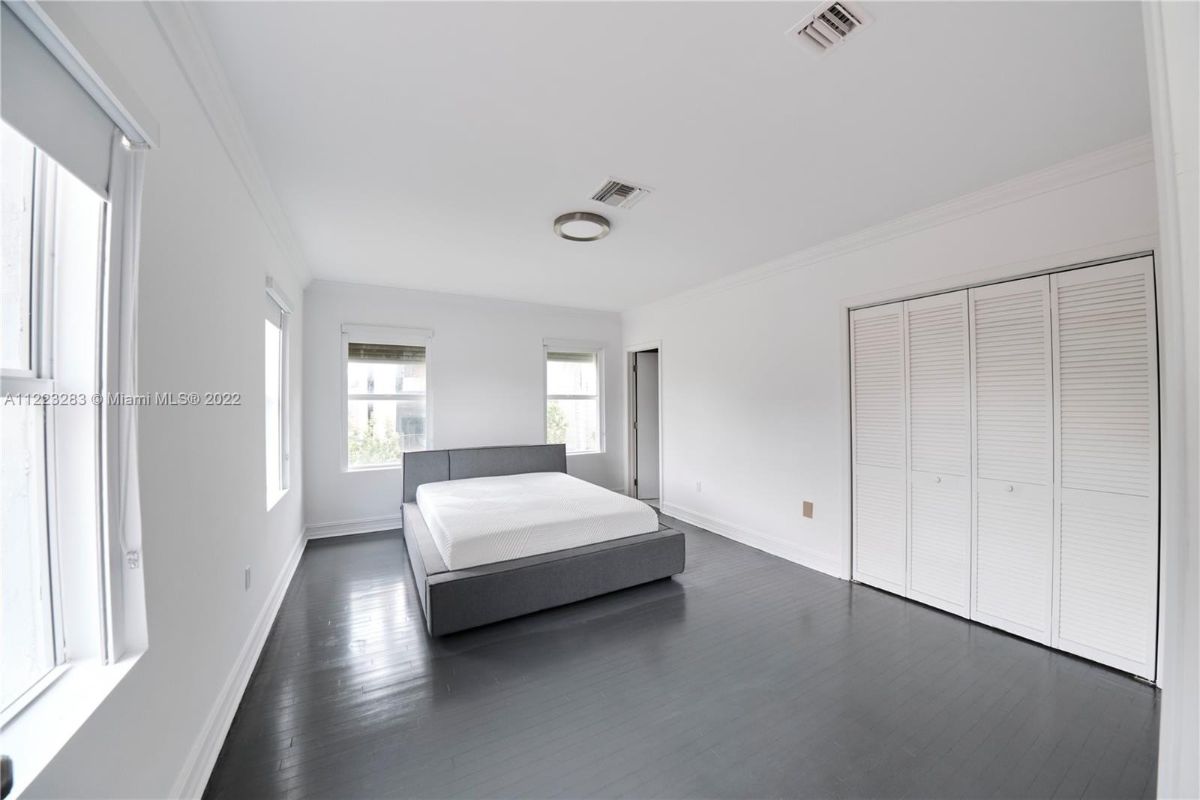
(573, 413)
(53, 245)
(276, 393)
(387, 412)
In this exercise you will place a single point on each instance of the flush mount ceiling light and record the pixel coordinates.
(582, 226)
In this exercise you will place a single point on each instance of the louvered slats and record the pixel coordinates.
(1107, 471)
(1016, 479)
(880, 448)
(939, 558)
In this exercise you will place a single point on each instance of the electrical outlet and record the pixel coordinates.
(247, 579)
(808, 511)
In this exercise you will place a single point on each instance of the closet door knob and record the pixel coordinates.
(1010, 488)
(938, 479)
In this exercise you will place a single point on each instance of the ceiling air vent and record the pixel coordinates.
(621, 195)
(829, 26)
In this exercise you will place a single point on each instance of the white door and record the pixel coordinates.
(1106, 391)
(880, 446)
(645, 429)
(939, 431)
(1013, 456)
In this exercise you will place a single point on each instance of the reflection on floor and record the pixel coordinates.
(747, 676)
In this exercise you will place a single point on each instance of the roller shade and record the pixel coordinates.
(571, 358)
(40, 99)
(387, 353)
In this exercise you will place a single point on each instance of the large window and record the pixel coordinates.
(386, 397)
(573, 398)
(276, 394)
(53, 237)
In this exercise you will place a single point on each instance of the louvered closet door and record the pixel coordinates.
(880, 447)
(1107, 510)
(939, 417)
(1013, 440)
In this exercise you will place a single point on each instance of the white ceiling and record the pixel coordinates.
(431, 145)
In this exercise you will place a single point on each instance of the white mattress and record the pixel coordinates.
(484, 520)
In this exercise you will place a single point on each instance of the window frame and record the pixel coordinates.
(575, 346)
(276, 296)
(386, 335)
(41, 378)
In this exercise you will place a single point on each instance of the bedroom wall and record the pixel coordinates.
(485, 388)
(755, 397)
(205, 254)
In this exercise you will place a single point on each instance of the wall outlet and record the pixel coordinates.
(808, 509)
(247, 575)
(699, 488)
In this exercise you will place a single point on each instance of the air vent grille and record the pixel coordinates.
(619, 194)
(829, 26)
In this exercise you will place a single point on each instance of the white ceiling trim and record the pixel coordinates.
(1090, 166)
(193, 50)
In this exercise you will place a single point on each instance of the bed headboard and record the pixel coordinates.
(427, 466)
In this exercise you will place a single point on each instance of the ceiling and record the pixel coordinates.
(431, 145)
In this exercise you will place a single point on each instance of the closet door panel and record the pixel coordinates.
(1013, 457)
(939, 417)
(880, 446)
(1107, 467)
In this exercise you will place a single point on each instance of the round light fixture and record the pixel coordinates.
(582, 226)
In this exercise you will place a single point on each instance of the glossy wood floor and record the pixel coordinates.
(747, 676)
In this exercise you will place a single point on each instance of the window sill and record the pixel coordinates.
(273, 500)
(379, 468)
(38, 731)
(586, 453)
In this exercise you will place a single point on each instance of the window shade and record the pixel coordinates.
(47, 105)
(571, 358)
(389, 353)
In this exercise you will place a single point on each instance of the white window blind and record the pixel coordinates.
(40, 99)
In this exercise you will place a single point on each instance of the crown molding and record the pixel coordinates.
(189, 42)
(1116, 158)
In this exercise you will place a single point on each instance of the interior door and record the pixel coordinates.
(1106, 391)
(939, 431)
(646, 423)
(880, 446)
(1013, 457)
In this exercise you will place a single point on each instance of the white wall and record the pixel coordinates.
(754, 369)
(485, 386)
(1172, 32)
(205, 254)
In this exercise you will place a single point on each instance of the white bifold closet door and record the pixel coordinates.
(939, 469)
(880, 446)
(1106, 513)
(1014, 457)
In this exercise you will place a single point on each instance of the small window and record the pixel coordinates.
(573, 399)
(275, 396)
(386, 401)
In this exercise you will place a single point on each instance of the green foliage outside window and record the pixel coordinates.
(367, 446)
(556, 425)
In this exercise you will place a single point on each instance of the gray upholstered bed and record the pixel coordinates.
(454, 600)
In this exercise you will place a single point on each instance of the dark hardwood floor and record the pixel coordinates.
(747, 676)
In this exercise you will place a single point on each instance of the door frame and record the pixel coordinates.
(630, 406)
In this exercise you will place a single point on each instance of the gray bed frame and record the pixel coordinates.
(454, 600)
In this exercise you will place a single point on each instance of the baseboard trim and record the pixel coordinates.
(352, 526)
(203, 755)
(759, 541)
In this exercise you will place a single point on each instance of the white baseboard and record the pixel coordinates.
(759, 541)
(203, 755)
(353, 526)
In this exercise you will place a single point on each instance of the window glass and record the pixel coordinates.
(386, 403)
(273, 347)
(573, 400)
(16, 274)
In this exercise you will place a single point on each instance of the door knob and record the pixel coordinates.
(1010, 488)
(938, 479)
